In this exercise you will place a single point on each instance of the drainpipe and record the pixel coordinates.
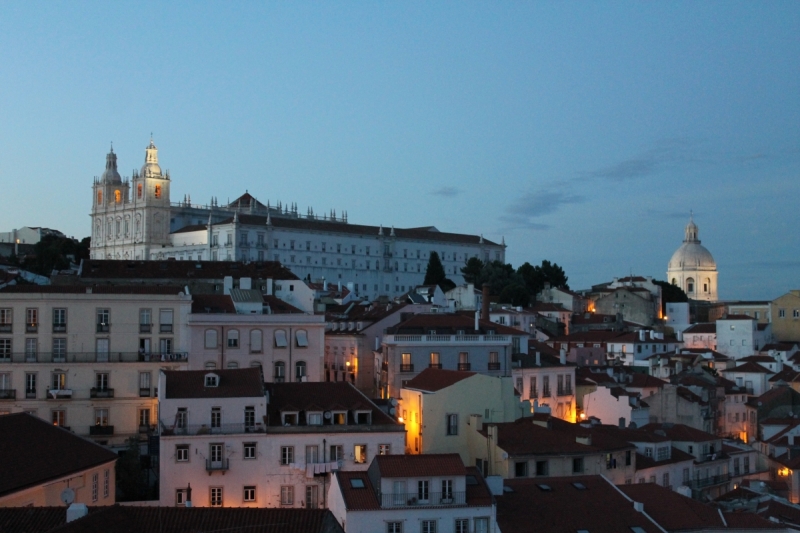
(222, 347)
(289, 370)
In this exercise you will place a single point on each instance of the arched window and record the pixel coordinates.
(233, 338)
(302, 338)
(211, 338)
(279, 374)
(674, 281)
(211, 365)
(255, 364)
(99, 197)
(299, 370)
(157, 192)
(707, 285)
(255, 341)
(233, 364)
(139, 191)
(280, 338)
(117, 197)
(690, 285)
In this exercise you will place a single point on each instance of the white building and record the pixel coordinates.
(28, 235)
(241, 443)
(692, 267)
(547, 382)
(741, 336)
(432, 493)
(136, 220)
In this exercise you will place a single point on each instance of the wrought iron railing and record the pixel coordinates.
(205, 429)
(90, 357)
(416, 499)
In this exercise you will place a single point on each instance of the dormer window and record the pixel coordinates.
(339, 418)
(289, 418)
(363, 418)
(212, 380)
(314, 418)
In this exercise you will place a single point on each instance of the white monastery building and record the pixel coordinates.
(693, 269)
(136, 219)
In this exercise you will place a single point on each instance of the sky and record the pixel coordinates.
(582, 133)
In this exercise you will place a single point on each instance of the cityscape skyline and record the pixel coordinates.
(581, 134)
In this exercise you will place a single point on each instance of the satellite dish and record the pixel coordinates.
(327, 415)
(67, 496)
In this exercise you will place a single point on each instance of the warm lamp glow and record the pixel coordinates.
(583, 416)
(348, 363)
(400, 419)
(784, 471)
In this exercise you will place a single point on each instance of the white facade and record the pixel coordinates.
(136, 220)
(741, 337)
(616, 407)
(693, 269)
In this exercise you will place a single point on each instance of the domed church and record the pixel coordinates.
(692, 268)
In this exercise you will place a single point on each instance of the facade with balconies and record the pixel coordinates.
(547, 382)
(446, 341)
(429, 493)
(87, 358)
(239, 442)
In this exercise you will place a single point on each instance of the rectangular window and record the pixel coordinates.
(312, 454)
(59, 350)
(59, 417)
(144, 321)
(5, 349)
(31, 320)
(216, 417)
(384, 449)
(6, 324)
(182, 453)
(94, 487)
(462, 525)
(428, 526)
(58, 381)
(59, 320)
(144, 419)
(577, 465)
(103, 321)
(165, 321)
(31, 349)
(30, 385)
(216, 497)
(101, 417)
(101, 381)
(452, 424)
(249, 450)
(337, 452)
(287, 495)
(541, 468)
(360, 453)
(287, 455)
(106, 482)
(144, 384)
(394, 527)
(423, 490)
(521, 469)
(312, 498)
(249, 494)
(546, 386)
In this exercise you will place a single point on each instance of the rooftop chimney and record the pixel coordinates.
(76, 510)
(485, 301)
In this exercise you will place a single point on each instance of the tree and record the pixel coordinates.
(434, 273)
(515, 294)
(54, 252)
(130, 476)
(535, 277)
(670, 293)
(472, 270)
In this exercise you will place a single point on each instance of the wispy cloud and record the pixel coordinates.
(447, 192)
(664, 153)
(521, 212)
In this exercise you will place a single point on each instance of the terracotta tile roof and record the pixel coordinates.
(588, 336)
(108, 269)
(744, 521)
(92, 289)
(677, 456)
(124, 519)
(681, 432)
(537, 346)
(212, 303)
(427, 465)
(233, 383)
(702, 328)
(749, 367)
(324, 396)
(638, 380)
(789, 514)
(478, 493)
(423, 234)
(779, 346)
(788, 374)
(580, 319)
(32, 519)
(671, 510)
(432, 379)
(526, 437)
(279, 307)
(357, 499)
(597, 507)
(36, 452)
(449, 324)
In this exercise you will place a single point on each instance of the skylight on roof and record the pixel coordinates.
(544, 488)
(637, 529)
(357, 483)
(578, 485)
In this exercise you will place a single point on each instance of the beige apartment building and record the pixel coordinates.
(87, 358)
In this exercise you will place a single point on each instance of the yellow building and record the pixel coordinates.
(785, 312)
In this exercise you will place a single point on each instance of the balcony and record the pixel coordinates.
(216, 466)
(464, 366)
(30, 394)
(204, 429)
(710, 481)
(6, 328)
(59, 394)
(433, 499)
(145, 328)
(407, 368)
(101, 393)
(103, 328)
(59, 328)
(144, 392)
(90, 357)
(494, 366)
(440, 339)
(165, 328)
(31, 327)
(8, 394)
(101, 431)
(147, 428)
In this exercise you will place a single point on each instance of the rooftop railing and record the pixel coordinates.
(205, 429)
(405, 339)
(414, 499)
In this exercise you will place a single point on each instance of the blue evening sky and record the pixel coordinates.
(583, 133)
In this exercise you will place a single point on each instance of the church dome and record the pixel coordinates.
(692, 255)
(151, 167)
(111, 175)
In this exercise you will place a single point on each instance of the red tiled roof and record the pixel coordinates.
(212, 303)
(702, 328)
(432, 379)
(778, 346)
(233, 383)
(681, 432)
(427, 465)
(671, 510)
(35, 452)
(749, 367)
(677, 456)
(182, 270)
(33, 519)
(124, 519)
(563, 507)
(357, 499)
(278, 306)
(324, 396)
(449, 324)
(92, 289)
(788, 374)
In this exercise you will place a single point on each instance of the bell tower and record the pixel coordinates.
(111, 199)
